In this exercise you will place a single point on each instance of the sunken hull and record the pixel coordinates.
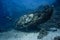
(30, 22)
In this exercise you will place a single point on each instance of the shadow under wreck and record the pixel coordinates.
(30, 22)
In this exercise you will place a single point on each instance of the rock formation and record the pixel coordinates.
(57, 38)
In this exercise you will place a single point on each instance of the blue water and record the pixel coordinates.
(10, 10)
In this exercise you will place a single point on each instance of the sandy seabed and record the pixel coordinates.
(17, 35)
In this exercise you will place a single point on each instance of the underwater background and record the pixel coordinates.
(11, 10)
